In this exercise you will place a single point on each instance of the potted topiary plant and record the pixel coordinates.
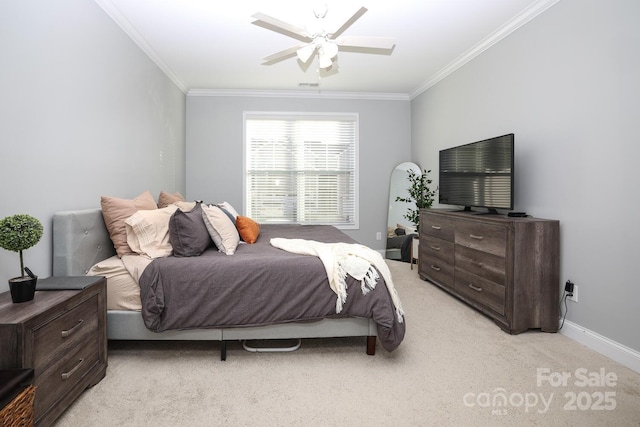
(17, 233)
(420, 194)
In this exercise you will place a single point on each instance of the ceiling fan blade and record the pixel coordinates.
(305, 53)
(349, 22)
(274, 24)
(386, 43)
(283, 54)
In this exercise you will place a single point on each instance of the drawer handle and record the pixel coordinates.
(435, 267)
(436, 227)
(475, 288)
(72, 330)
(435, 248)
(67, 375)
(478, 263)
(473, 236)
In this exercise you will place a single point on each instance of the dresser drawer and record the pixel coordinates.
(482, 291)
(60, 336)
(437, 249)
(438, 271)
(483, 264)
(437, 226)
(483, 237)
(57, 381)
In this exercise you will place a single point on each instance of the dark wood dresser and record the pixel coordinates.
(507, 268)
(62, 335)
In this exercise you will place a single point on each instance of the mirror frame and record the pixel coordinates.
(398, 187)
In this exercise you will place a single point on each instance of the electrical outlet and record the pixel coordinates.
(574, 296)
(379, 235)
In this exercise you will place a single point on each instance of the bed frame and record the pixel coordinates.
(81, 239)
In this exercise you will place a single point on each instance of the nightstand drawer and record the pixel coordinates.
(57, 381)
(483, 237)
(60, 336)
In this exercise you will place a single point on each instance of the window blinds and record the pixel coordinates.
(301, 169)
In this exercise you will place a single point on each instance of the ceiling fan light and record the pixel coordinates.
(329, 49)
(306, 52)
(325, 61)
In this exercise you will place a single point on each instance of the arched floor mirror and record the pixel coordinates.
(399, 229)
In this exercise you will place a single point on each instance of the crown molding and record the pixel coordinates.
(516, 22)
(117, 16)
(519, 20)
(300, 94)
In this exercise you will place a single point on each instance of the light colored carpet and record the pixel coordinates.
(451, 370)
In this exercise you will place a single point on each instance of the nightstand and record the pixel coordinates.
(62, 335)
(16, 397)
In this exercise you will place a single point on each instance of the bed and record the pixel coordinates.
(81, 241)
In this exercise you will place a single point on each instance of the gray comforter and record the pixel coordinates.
(258, 285)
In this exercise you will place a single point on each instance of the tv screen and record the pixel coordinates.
(479, 174)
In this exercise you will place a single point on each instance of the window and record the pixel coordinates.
(302, 168)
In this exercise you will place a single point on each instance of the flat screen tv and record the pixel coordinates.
(479, 174)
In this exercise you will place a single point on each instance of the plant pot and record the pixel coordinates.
(22, 288)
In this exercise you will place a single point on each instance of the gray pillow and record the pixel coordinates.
(188, 234)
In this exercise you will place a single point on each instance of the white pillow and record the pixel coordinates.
(221, 229)
(229, 208)
(148, 232)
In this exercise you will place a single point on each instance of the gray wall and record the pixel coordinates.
(84, 112)
(567, 84)
(215, 149)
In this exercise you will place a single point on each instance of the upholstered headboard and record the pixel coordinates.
(80, 240)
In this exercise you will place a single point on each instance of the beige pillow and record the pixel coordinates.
(185, 206)
(123, 293)
(165, 199)
(115, 211)
(221, 229)
(148, 232)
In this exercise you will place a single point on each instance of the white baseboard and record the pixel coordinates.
(603, 345)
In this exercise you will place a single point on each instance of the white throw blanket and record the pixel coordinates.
(339, 259)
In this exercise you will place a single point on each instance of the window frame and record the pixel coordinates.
(278, 115)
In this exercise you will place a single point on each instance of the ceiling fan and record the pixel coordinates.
(316, 39)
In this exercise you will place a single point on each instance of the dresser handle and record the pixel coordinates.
(66, 375)
(70, 331)
(435, 248)
(435, 227)
(436, 268)
(475, 288)
(473, 236)
(474, 262)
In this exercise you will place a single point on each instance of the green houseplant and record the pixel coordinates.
(17, 233)
(419, 194)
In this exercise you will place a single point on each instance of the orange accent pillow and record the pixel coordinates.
(249, 229)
